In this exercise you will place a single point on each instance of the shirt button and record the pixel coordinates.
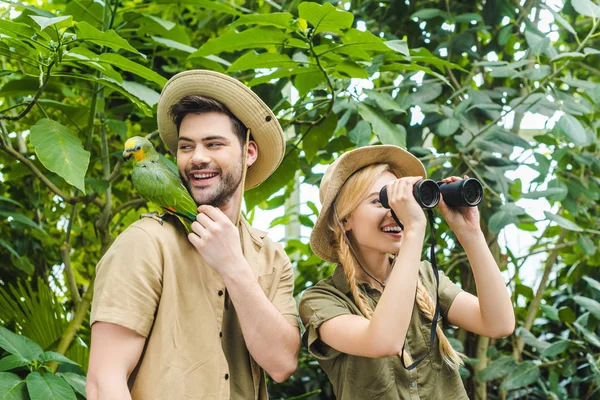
(413, 384)
(220, 293)
(226, 376)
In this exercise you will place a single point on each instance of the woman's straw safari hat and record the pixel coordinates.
(401, 163)
(241, 101)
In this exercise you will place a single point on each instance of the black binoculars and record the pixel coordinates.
(462, 193)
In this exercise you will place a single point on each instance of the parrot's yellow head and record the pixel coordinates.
(134, 148)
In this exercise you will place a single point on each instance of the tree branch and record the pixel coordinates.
(132, 203)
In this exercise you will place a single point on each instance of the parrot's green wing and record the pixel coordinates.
(157, 183)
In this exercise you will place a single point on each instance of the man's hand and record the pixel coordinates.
(217, 239)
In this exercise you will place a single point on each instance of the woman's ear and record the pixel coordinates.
(347, 225)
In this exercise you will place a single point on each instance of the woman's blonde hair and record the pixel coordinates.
(355, 189)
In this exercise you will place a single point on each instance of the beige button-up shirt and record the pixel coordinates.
(154, 282)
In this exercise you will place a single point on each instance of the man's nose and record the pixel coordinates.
(200, 156)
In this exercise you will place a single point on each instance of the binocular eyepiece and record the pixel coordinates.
(462, 193)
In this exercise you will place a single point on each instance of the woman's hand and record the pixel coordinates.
(404, 204)
(462, 220)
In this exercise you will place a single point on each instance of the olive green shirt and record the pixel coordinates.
(154, 282)
(359, 378)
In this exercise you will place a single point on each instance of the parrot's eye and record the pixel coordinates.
(136, 148)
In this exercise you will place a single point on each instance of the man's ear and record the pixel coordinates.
(252, 153)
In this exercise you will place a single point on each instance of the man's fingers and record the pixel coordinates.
(204, 220)
(195, 240)
(214, 213)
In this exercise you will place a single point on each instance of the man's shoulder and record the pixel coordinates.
(167, 230)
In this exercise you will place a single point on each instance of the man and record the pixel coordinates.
(199, 316)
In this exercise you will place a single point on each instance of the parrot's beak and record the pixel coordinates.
(127, 155)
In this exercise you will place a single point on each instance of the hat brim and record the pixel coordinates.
(241, 101)
(401, 162)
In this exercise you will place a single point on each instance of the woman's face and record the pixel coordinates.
(372, 226)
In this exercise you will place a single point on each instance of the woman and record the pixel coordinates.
(362, 318)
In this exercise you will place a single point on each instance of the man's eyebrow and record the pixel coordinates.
(206, 139)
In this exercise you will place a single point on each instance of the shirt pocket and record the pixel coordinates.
(370, 378)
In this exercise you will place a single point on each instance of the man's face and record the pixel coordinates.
(209, 158)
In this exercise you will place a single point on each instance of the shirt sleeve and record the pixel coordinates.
(316, 307)
(128, 282)
(284, 296)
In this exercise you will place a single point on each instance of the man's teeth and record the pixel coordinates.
(203, 176)
(392, 229)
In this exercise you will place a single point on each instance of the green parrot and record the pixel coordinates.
(156, 182)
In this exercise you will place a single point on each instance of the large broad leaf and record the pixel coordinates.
(76, 381)
(498, 368)
(428, 13)
(589, 304)
(384, 101)
(61, 151)
(387, 132)
(133, 67)
(508, 214)
(20, 218)
(556, 348)
(49, 387)
(19, 345)
(592, 282)
(11, 362)
(12, 387)
(586, 7)
(45, 22)
(563, 222)
(262, 37)
(279, 20)
(525, 374)
(319, 136)
(56, 357)
(447, 127)
(110, 38)
(172, 44)
(283, 174)
(14, 29)
(141, 92)
(573, 129)
(251, 60)
(361, 134)
(545, 193)
(325, 18)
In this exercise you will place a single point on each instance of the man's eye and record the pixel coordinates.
(215, 144)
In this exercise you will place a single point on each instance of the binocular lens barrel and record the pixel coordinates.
(463, 193)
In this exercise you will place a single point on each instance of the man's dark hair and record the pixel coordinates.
(195, 104)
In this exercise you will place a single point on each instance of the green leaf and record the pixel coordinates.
(168, 25)
(563, 222)
(49, 387)
(8, 247)
(387, 132)
(19, 345)
(566, 315)
(45, 22)
(60, 151)
(325, 18)
(501, 219)
(14, 29)
(57, 357)
(252, 60)
(399, 46)
(262, 37)
(361, 134)
(560, 19)
(586, 7)
(384, 101)
(573, 129)
(172, 44)
(280, 178)
(537, 44)
(319, 136)
(589, 304)
(89, 58)
(550, 312)
(525, 374)
(468, 17)
(590, 50)
(428, 13)
(588, 335)
(12, 387)
(126, 64)
(11, 362)
(447, 127)
(568, 56)
(556, 348)
(545, 193)
(425, 94)
(141, 92)
(110, 38)
(279, 19)
(498, 368)
(76, 381)
(592, 282)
